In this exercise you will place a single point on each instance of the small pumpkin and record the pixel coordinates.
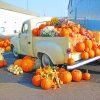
(88, 43)
(35, 32)
(5, 63)
(76, 75)
(70, 61)
(80, 46)
(46, 83)
(60, 70)
(42, 26)
(86, 75)
(36, 80)
(1, 63)
(8, 48)
(97, 51)
(91, 53)
(84, 55)
(38, 71)
(66, 77)
(18, 62)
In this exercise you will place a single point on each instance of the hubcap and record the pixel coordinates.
(45, 60)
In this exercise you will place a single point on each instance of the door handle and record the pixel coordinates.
(29, 42)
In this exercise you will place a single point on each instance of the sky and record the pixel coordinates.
(53, 8)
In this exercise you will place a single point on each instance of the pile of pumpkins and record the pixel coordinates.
(5, 44)
(81, 39)
(26, 64)
(53, 77)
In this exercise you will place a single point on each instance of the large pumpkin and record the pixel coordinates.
(36, 80)
(88, 43)
(27, 65)
(76, 75)
(80, 46)
(66, 77)
(46, 83)
(18, 62)
(84, 55)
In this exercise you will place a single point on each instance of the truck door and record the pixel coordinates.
(25, 40)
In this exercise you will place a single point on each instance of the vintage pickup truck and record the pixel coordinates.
(50, 50)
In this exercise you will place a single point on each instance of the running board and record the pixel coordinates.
(81, 63)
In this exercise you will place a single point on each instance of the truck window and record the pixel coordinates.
(25, 28)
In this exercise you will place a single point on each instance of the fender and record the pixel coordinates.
(53, 50)
(15, 43)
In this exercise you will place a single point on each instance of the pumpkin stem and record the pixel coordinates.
(86, 70)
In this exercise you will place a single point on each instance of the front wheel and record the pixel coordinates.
(46, 61)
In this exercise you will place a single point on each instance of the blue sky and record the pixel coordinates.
(53, 8)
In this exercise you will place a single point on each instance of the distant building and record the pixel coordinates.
(85, 12)
(12, 17)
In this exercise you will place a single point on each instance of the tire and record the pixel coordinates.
(46, 61)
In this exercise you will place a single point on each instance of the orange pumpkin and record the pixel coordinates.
(60, 70)
(84, 55)
(42, 26)
(27, 57)
(88, 43)
(86, 49)
(8, 48)
(35, 32)
(46, 83)
(90, 33)
(75, 30)
(64, 33)
(76, 75)
(70, 61)
(66, 77)
(36, 80)
(80, 46)
(91, 53)
(48, 23)
(86, 76)
(82, 31)
(38, 71)
(94, 43)
(27, 65)
(1, 63)
(18, 62)
(97, 51)
(5, 63)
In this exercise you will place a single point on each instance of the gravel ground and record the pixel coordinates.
(14, 87)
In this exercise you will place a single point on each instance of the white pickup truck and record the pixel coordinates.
(50, 50)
